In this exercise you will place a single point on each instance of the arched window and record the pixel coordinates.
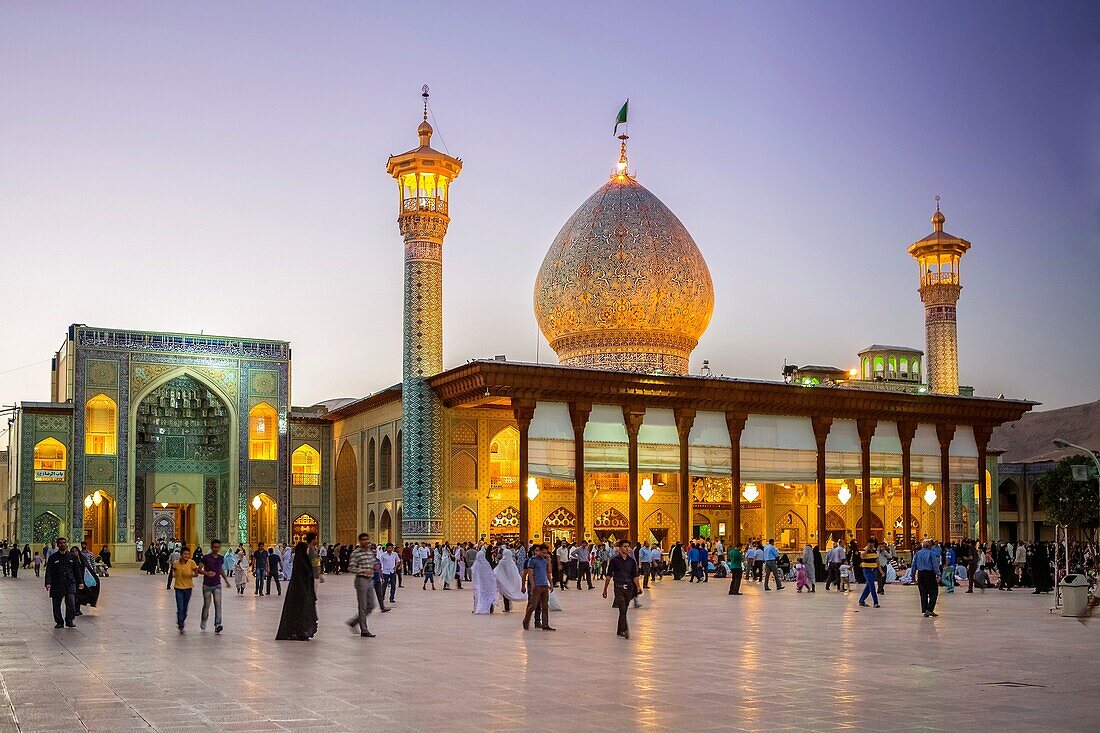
(893, 365)
(397, 463)
(504, 459)
(385, 455)
(263, 428)
(49, 460)
(880, 365)
(916, 369)
(100, 426)
(372, 466)
(866, 368)
(305, 465)
(904, 364)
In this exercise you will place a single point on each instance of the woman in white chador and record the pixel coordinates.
(446, 567)
(508, 581)
(288, 561)
(485, 584)
(418, 559)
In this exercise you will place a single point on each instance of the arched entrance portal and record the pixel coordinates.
(183, 448)
(99, 517)
(560, 525)
(347, 495)
(790, 532)
(300, 527)
(611, 525)
(385, 528)
(263, 521)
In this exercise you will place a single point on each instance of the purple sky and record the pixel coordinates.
(204, 166)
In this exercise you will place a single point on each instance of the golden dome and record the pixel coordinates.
(624, 285)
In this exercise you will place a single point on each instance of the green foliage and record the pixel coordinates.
(1072, 503)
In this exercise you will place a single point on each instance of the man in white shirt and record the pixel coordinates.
(563, 552)
(388, 561)
(655, 566)
(835, 558)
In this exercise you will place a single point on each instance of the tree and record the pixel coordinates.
(1072, 503)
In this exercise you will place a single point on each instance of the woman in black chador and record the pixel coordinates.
(676, 561)
(1039, 561)
(299, 619)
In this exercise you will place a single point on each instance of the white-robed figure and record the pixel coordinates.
(446, 567)
(811, 570)
(509, 583)
(288, 561)
(460, 561)
(418, 558)
(485, 584)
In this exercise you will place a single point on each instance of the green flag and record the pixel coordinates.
(621, 118)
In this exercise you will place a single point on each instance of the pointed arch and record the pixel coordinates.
(463, 525)
(397, 461)
(100, 426)
(385, 457)
(372, 524)
(372, 465)
(385, 527)
(49, 460)
(47, 527)
(504, 458)
(263, 433)
(305, 466)
(303, 525)
(463, 471)
(560, 524)
(790, 531)
(347, 494)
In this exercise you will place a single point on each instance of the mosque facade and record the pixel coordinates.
(151, 435)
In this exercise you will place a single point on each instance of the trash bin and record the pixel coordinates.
(1075, 595)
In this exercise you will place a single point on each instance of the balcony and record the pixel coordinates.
(934, 278)
(424, 203)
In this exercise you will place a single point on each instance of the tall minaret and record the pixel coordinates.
(423, 179)
(938, 255)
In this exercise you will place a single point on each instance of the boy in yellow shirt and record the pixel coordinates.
(184, 571)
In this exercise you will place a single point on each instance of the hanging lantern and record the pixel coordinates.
(97, 497)
(532, 488)
(257, 502)
(845, 494)
(87, 502)
(750, 493)
(646, 491)
(929, 495)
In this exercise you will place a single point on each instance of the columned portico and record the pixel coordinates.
(578, 416)
(866, 429)
(821, 427)
(735, 425)
(944, 433)
(906, 431)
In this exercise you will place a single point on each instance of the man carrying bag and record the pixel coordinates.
(623, 572)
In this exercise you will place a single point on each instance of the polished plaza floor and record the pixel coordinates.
(699, 660)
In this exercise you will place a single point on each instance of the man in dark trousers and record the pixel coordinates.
(274, 566)
(622, 570)
(926, 571)
(13, 559)
(64, 576)
(259, 567)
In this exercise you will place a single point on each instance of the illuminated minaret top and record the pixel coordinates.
(939, 255)
(424, 177)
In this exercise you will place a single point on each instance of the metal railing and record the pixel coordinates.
(424, 203)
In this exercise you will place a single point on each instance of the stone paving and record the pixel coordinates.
(698, 660)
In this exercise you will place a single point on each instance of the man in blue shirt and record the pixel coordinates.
(926, 568)
(536, 584)
(645, 559)
(771, 558)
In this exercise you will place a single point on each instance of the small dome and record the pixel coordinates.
(624, 285)
(424, 128)
(938, 218)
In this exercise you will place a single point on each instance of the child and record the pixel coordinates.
(184, 571)
(240, 572)
(429, 572)
(846, 578)
(801, 577)
(37, 563)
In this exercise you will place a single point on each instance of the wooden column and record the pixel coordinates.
(906, 431)
(632, 417)
(982, 434)
(821, 427)
(866, 428)
(945, 433)
(523, 410)
(735, 424)
(578, 415)
(685, 418)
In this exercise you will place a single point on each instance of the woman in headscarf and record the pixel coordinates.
(446, 567)
(485, 584)
(508, 580)
(1039, 561)
(819, 563)
(299, 619)
(811, 567)
(676, 561)
(150, 564)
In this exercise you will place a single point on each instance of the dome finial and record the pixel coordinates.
(620, 119)
(938, 218)
(425, 129)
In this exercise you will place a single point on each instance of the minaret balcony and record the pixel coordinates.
(429, 204)
(935, 278)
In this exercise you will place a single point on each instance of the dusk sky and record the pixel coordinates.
(220, 167)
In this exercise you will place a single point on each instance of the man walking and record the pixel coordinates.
(63, 578)
(868, 563)
(536, 584)
(388, 560)
(835, 558)
(213, 570)
(925, 570)
(737, 569)
(259, 567)
(274, 570)
(362, 563)
(645, 559)
(771, 558)
(623, 571)
(582, 555)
